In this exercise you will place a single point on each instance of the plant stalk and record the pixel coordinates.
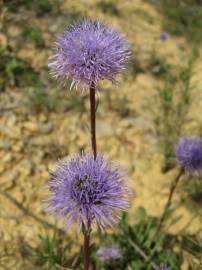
(86, 244)
(171, 193)
(86, 250)
(93, 119)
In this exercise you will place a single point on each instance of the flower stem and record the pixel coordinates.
(172, 190)
(141, 252)
(86, 250)
(93, 119)
(86, 244)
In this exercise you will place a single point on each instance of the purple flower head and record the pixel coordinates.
(109, 253)
(162, 267)
(164, 36)
(88, 52)
(88, 191)
(189, 153)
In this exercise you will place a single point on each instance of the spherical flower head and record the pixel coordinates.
(164, 36)
(189, 153)
(88, 190)
(88, 52)
(109, 253)
(162, 267)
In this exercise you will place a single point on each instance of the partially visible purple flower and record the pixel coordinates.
(109, 253)
(164, 36)
(89, 51)
(189, 153)
(88, 191)
(162, 267)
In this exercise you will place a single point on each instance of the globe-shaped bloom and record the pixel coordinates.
(109, 253)
(88, 190)
(162, 267)
(88, 52)
(164, 36)
(189, 153)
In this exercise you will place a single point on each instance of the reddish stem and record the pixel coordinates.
(172, 190)
(93, 119)
(86, 251)
(86, 245)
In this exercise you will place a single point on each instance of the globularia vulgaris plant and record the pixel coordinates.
(188, 152)
(89, 188)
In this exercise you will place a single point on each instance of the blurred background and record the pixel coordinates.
(158, 99)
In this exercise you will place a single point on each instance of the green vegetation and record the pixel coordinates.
(181, 17)
(15, 71)
(192, 195)
(140, 245)
(193, 247)
(40, 99)
(40, 6)
(109, 6)
(193, 188)
(51, 253)
(134, 66)
(121, 106)
(173, 99)
(159, 67)
(33, 34)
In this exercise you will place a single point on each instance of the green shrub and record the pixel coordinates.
(181, 17)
